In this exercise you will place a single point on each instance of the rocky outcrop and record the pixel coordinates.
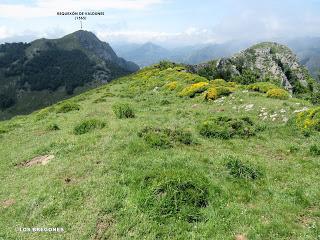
(267, 60)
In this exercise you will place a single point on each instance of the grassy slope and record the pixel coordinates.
(106, 168)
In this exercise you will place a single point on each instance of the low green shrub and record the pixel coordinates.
(237, 169)
(43, 113)
(315, 98)
(247, 77)
(68, 107)
(88, 125)
(53, 127)
(174, 193)
(165, 137)
(163, 65)
(262, 87)
(293, 149)
(193, 89)
(315, 150)
(225, 127)
(278, 93)
(3, 130)
(123, 110)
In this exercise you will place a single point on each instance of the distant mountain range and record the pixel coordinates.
(150, 53)
(307, 50)
(40, 73)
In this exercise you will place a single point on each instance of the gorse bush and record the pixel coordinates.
(262, 87)
(171, 86)
(315, 150)
(68, 107)
(88, 125)
(309, 120)
(278, 93)
(214, 93)
(165, 137)
(123, 110)
(175, 193)
(225, 127)
(195, 88)
(237, 169)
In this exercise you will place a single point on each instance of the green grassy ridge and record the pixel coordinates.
(107, 167)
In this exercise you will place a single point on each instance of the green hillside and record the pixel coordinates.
(164, 154)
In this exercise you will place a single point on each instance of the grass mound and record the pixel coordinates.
(165, 137)
(262, 87)
(193, 89)
(309, 120)
(237, 169)
(278, 93)
(88, 125)
(225, 127)
(178, 194)
(123, 110)
(68, 107)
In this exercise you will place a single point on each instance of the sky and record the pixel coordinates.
(166, 22)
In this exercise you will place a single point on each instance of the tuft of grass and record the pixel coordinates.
(100, 100)
(174, 193)
(88, 125)
(53, 127)
(237, 169)
(165, 137)
(225, 127)
(123, 110)
(315, 150)
(68, 107)
(293, 149)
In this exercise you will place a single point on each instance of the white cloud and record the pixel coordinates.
(191, 35)
(5, 32)
(47, 8)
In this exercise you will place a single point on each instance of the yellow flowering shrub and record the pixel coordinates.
(309, 119)
(278, 93)
(171, 86)
(262, 87)
(216, 92)
(193, 89)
